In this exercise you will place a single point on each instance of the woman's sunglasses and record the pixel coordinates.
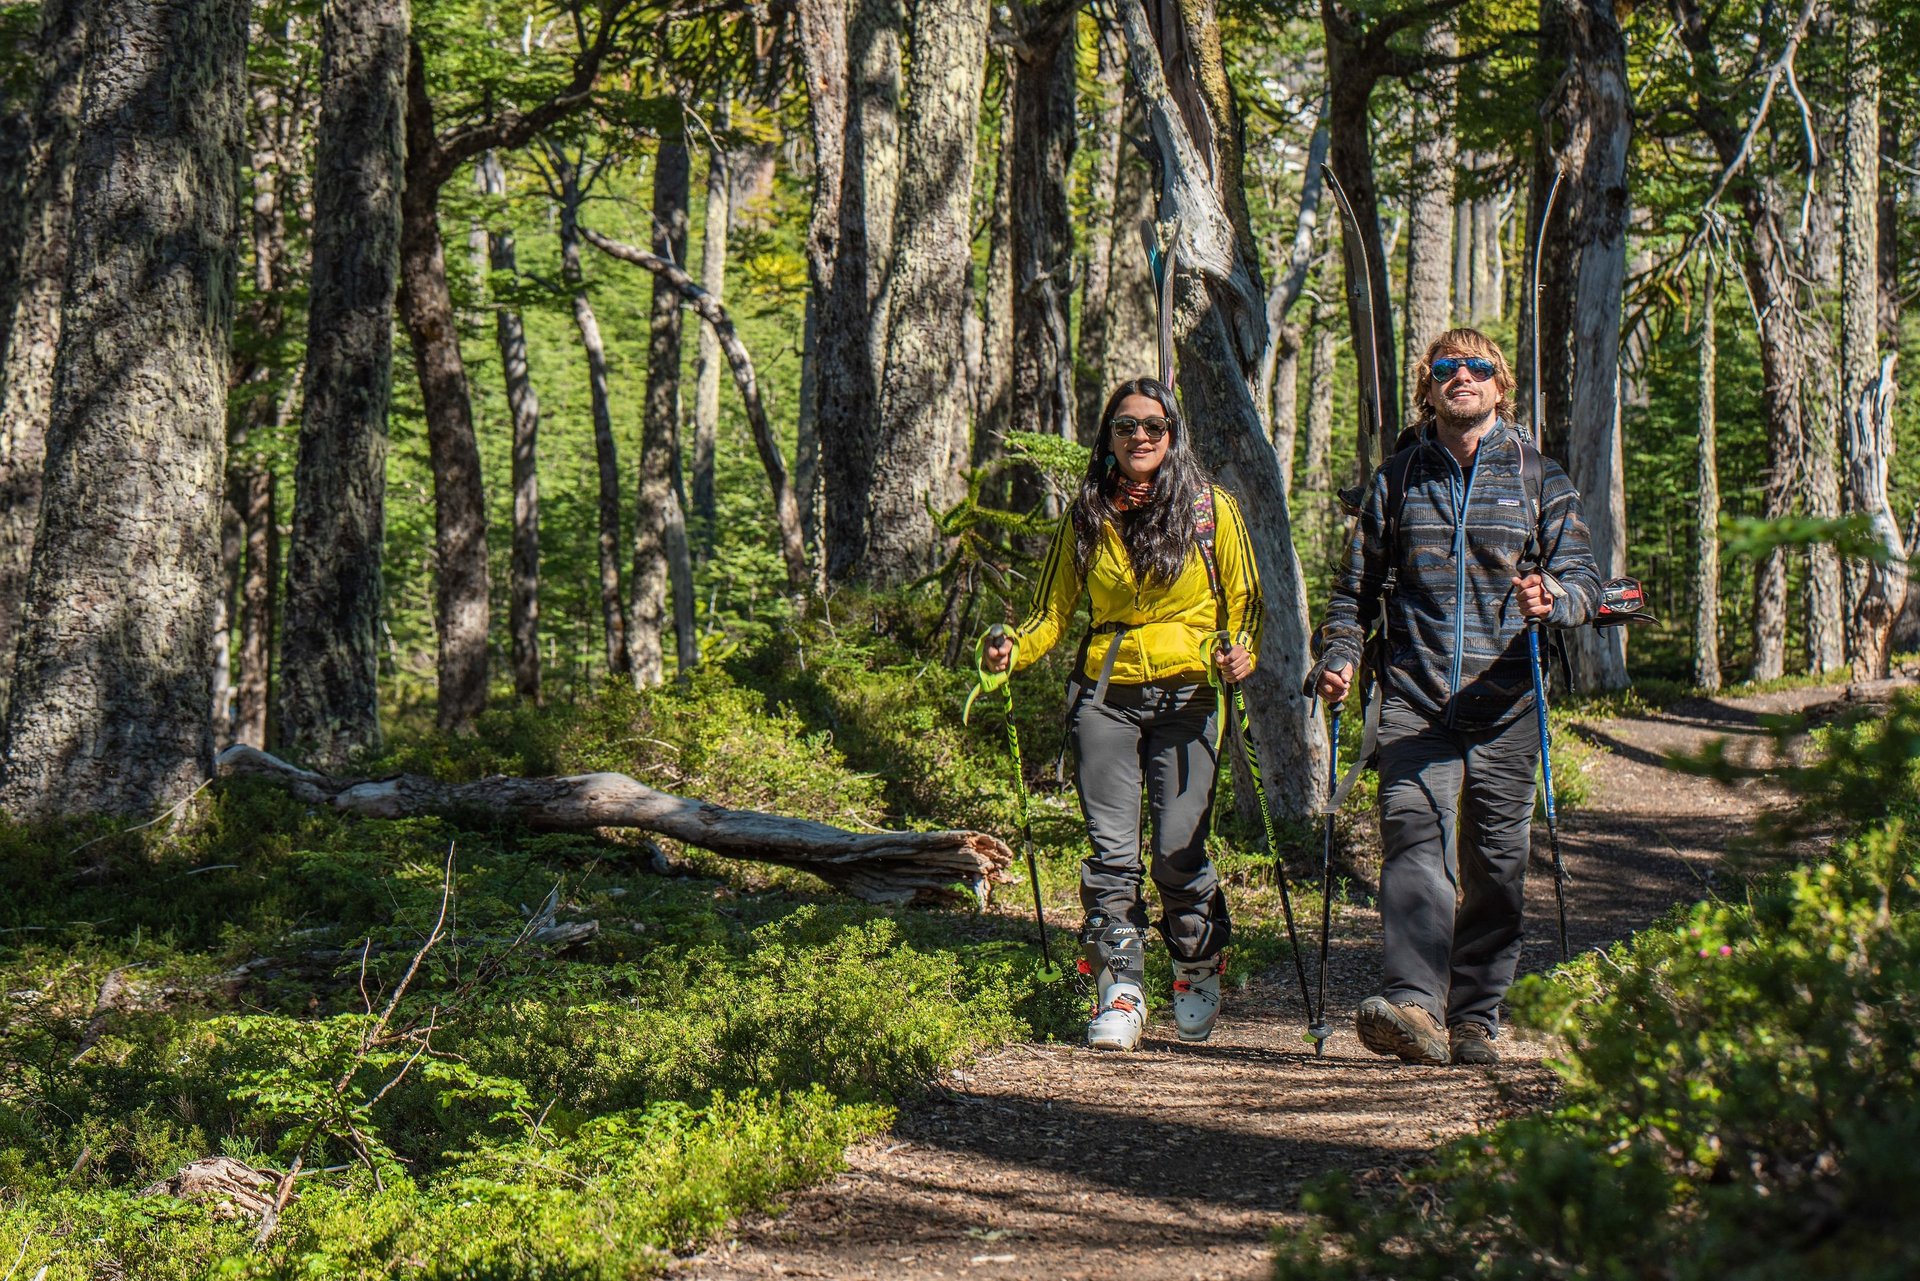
(1447, 366)
(1154, 427)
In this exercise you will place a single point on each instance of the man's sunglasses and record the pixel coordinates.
(1447, 366)
(1155, 427)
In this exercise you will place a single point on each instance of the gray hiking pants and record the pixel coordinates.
(1455, 812)
(1161, 736)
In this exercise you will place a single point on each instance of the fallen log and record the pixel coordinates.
(879, 867)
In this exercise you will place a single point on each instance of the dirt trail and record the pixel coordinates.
(1179, 1161)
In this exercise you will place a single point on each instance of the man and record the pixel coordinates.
(1466, 537)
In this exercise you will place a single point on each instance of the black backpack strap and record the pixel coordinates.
(1204, 525)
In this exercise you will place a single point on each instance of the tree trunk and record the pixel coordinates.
(1430, 187)
(1132, 339)
(329, 689)
(114, 674)
(880, 867)
(923, 402)
(1825, 604)
(708, 361)
(1044, 137)
(993, 401)
(1103, 239)
(613, 617)
(253, 684)
(1356, 57)
(660, 424)
(1875, 592)
(460, 509)
(1280, 363)
(232, 547)
(1219, 326)
(523, 408)
(1582, 282)
(1706, 505)
(33, 314)
(1319, 468)
(852, 63)
(1463, 241)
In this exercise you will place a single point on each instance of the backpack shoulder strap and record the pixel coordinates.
(1533, 479)
(1399, 470)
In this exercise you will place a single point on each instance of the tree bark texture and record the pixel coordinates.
(329, 695)
(1132, 345)
(460, 509)
(786, 507)
(114, 674)
(1825, 602)
(1706, 503)
(851, 59)
(33, 305)
(708, 360)
(1582, 281)
(523, 409)
(232, 544)
(1176, 63)
(1319, 469)
(879, 867)
(1279, 392)
(613, 614)
(1358, 55)
(1103, 175)
(923, 401)
(1875, 593)
(1430, 186)
(993, 388)
(660, 419)
(1044, 138)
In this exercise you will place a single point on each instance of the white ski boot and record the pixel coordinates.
(1115, 961)
(1196, 997)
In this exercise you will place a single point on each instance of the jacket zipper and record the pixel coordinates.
(1464, 500)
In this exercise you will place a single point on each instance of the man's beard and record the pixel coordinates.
(1448, 417)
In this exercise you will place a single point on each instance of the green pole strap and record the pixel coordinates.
(1001, 683)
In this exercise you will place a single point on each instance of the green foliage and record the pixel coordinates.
(1738, 1090)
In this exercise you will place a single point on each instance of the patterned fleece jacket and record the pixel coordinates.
(1456, 649)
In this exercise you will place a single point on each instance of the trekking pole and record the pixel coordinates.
(1002, 682)
(1546, 771)
(1321, 1029)
(1242, 728)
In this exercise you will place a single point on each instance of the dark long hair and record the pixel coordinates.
(1160, 536)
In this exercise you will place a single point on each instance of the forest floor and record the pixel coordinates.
(1179, 1161)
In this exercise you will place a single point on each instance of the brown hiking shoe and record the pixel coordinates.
(1407, 1032)
(1472, 1045)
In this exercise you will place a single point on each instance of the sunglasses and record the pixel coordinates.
(1155, 427)
(1447, 366)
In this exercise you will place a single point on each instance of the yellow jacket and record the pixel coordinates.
(1169, 629)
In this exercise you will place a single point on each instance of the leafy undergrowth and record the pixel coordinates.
(523, 1108)
(1741, 1087)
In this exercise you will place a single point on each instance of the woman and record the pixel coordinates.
(1142, 710)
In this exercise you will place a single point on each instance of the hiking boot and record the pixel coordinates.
(1118, 1022)
(1472, 1045)
(1196, 997)
(1407, 1032)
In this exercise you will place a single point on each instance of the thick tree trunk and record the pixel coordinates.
(1044, 137)
(1582, 284)
(1463, 242)
(709, 359)
(253, 682)
(460, 510)
(993, 398)
(1102, 244)
(923, 402)
(613, 616)
(1319, 468)
(1875, 592)
(1356, 59)
(1279, 388)
(329, 695)
(1490, 216)
(660, 423)
(852, 64)
(1706, 504)
(523, 408)
(113, 680)
(1430, 186)
(33, 312)
(880, 867)
(1219, 326)
(1826, 602)
(1132, 341)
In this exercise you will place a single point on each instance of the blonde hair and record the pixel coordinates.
(1462, 342)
